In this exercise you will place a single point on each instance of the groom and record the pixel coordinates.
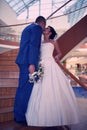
(27, 61)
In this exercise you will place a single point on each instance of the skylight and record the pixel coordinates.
(19, 6)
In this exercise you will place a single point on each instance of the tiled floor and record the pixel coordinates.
(82, 109)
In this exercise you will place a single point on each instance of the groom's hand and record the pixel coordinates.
(31, 68)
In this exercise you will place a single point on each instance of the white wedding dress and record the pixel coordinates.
(52, 101)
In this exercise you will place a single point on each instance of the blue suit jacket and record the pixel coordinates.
(29, 50)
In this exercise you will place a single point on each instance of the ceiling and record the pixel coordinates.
(45, 8)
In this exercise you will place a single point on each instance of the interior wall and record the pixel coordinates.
(6, 13)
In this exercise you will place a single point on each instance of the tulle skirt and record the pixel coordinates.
(52, 102)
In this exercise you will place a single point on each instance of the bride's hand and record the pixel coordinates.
(56, 58)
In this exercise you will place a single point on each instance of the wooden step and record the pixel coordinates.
(7, 91)
(7, 95)
(8, 74)
(9, 62)
(6, 110)
(9, 68)
(10, 53)
(8, 82)
(6, 114)
(7, 58)
(6, 101)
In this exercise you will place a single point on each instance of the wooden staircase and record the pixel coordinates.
(8, 84)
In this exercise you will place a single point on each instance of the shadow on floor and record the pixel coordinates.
(12, 125)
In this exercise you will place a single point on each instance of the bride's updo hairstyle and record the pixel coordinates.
(54, 34)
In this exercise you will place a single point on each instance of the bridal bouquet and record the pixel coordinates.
(37, 75)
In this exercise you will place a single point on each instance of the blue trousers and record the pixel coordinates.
(22, 94)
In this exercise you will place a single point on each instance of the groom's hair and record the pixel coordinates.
(40, 19)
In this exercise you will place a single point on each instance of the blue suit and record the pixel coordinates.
(29, 53)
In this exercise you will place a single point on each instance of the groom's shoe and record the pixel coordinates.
(24, 123)
(50, 128)
(67, 127)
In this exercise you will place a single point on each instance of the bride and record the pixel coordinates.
(52, 102)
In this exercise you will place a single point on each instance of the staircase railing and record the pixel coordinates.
(73, 36)
(72, 76)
